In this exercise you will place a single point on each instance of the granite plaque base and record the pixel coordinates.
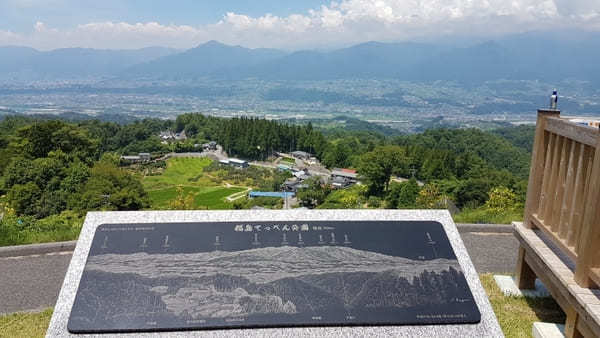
(273, 273)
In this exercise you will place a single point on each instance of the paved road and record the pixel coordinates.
(33, 282)
(492, 252)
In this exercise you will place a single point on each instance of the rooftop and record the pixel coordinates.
(271, 194)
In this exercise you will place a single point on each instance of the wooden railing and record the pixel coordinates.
(563, 195)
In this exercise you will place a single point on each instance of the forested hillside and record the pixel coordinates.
(497, 151)
(252, 138)
(55, 171)
(462, 166)
(521, 136)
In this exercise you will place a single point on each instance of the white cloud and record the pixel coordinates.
(339, 23)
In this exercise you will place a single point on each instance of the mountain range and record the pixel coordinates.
(72, 63)
(525, 57)
(264, 264)
(287, 284)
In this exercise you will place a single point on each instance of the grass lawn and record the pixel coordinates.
(188, 173)
(180, 171)
(204, 197)
(516, 315)
(215, 199)
(162, 197)
(25, 324)
(484, 216)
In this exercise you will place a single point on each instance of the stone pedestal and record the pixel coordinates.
(487, 327)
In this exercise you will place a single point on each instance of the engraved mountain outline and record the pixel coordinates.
(272, 280)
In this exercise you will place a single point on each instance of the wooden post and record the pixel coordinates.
(571, 323)
(590, 229)
(525, 277)
(537, 165)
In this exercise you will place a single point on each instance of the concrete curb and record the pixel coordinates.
(492, 228)
(36, 249)
(44, 248)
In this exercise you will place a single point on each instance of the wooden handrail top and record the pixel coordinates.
(578, 132)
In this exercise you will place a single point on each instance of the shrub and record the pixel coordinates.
(374, 202)
(501, 199)
(16, 230)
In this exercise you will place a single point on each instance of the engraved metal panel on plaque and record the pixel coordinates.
(160, 277)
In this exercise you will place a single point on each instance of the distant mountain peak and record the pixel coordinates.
(212, 43)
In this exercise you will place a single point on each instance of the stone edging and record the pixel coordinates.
(36, 249)
(491, 228)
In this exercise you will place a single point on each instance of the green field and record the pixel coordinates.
(214, 199)
(288, 161)
(204, 197)
(189, 174)
(184, 171)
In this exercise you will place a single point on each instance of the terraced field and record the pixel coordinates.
(189, 174)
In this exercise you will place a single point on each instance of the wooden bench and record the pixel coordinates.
(560, 234)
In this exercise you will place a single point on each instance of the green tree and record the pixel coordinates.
(351, 198)
(376, 167)
(75, 177)
(111, 188)
(23, 198)
(314, 194)
(403, 195)
(429, 197)
(338, 155)
(473, 192)
(374, 202)
(110, 158)
(40, 138)
(51, 202)
(19, 171)
(182, 201)
(48, 172)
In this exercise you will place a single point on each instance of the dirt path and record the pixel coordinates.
(237, 195)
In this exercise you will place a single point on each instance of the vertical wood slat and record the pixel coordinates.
(563, 220)
(536, 171)
(590, 230)
(553, 178)
(590, 163)
(576, 204)
(547, 171)
(560, 185)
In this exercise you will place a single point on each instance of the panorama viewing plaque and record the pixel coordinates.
(174, 276)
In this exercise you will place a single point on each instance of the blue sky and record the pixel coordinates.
(21, 15)
(286, 24)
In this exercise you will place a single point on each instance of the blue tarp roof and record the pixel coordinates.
(271, 194)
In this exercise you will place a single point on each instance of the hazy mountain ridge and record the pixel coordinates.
(207, 59)
(264, 265)
(65, 63)
(526, 56)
